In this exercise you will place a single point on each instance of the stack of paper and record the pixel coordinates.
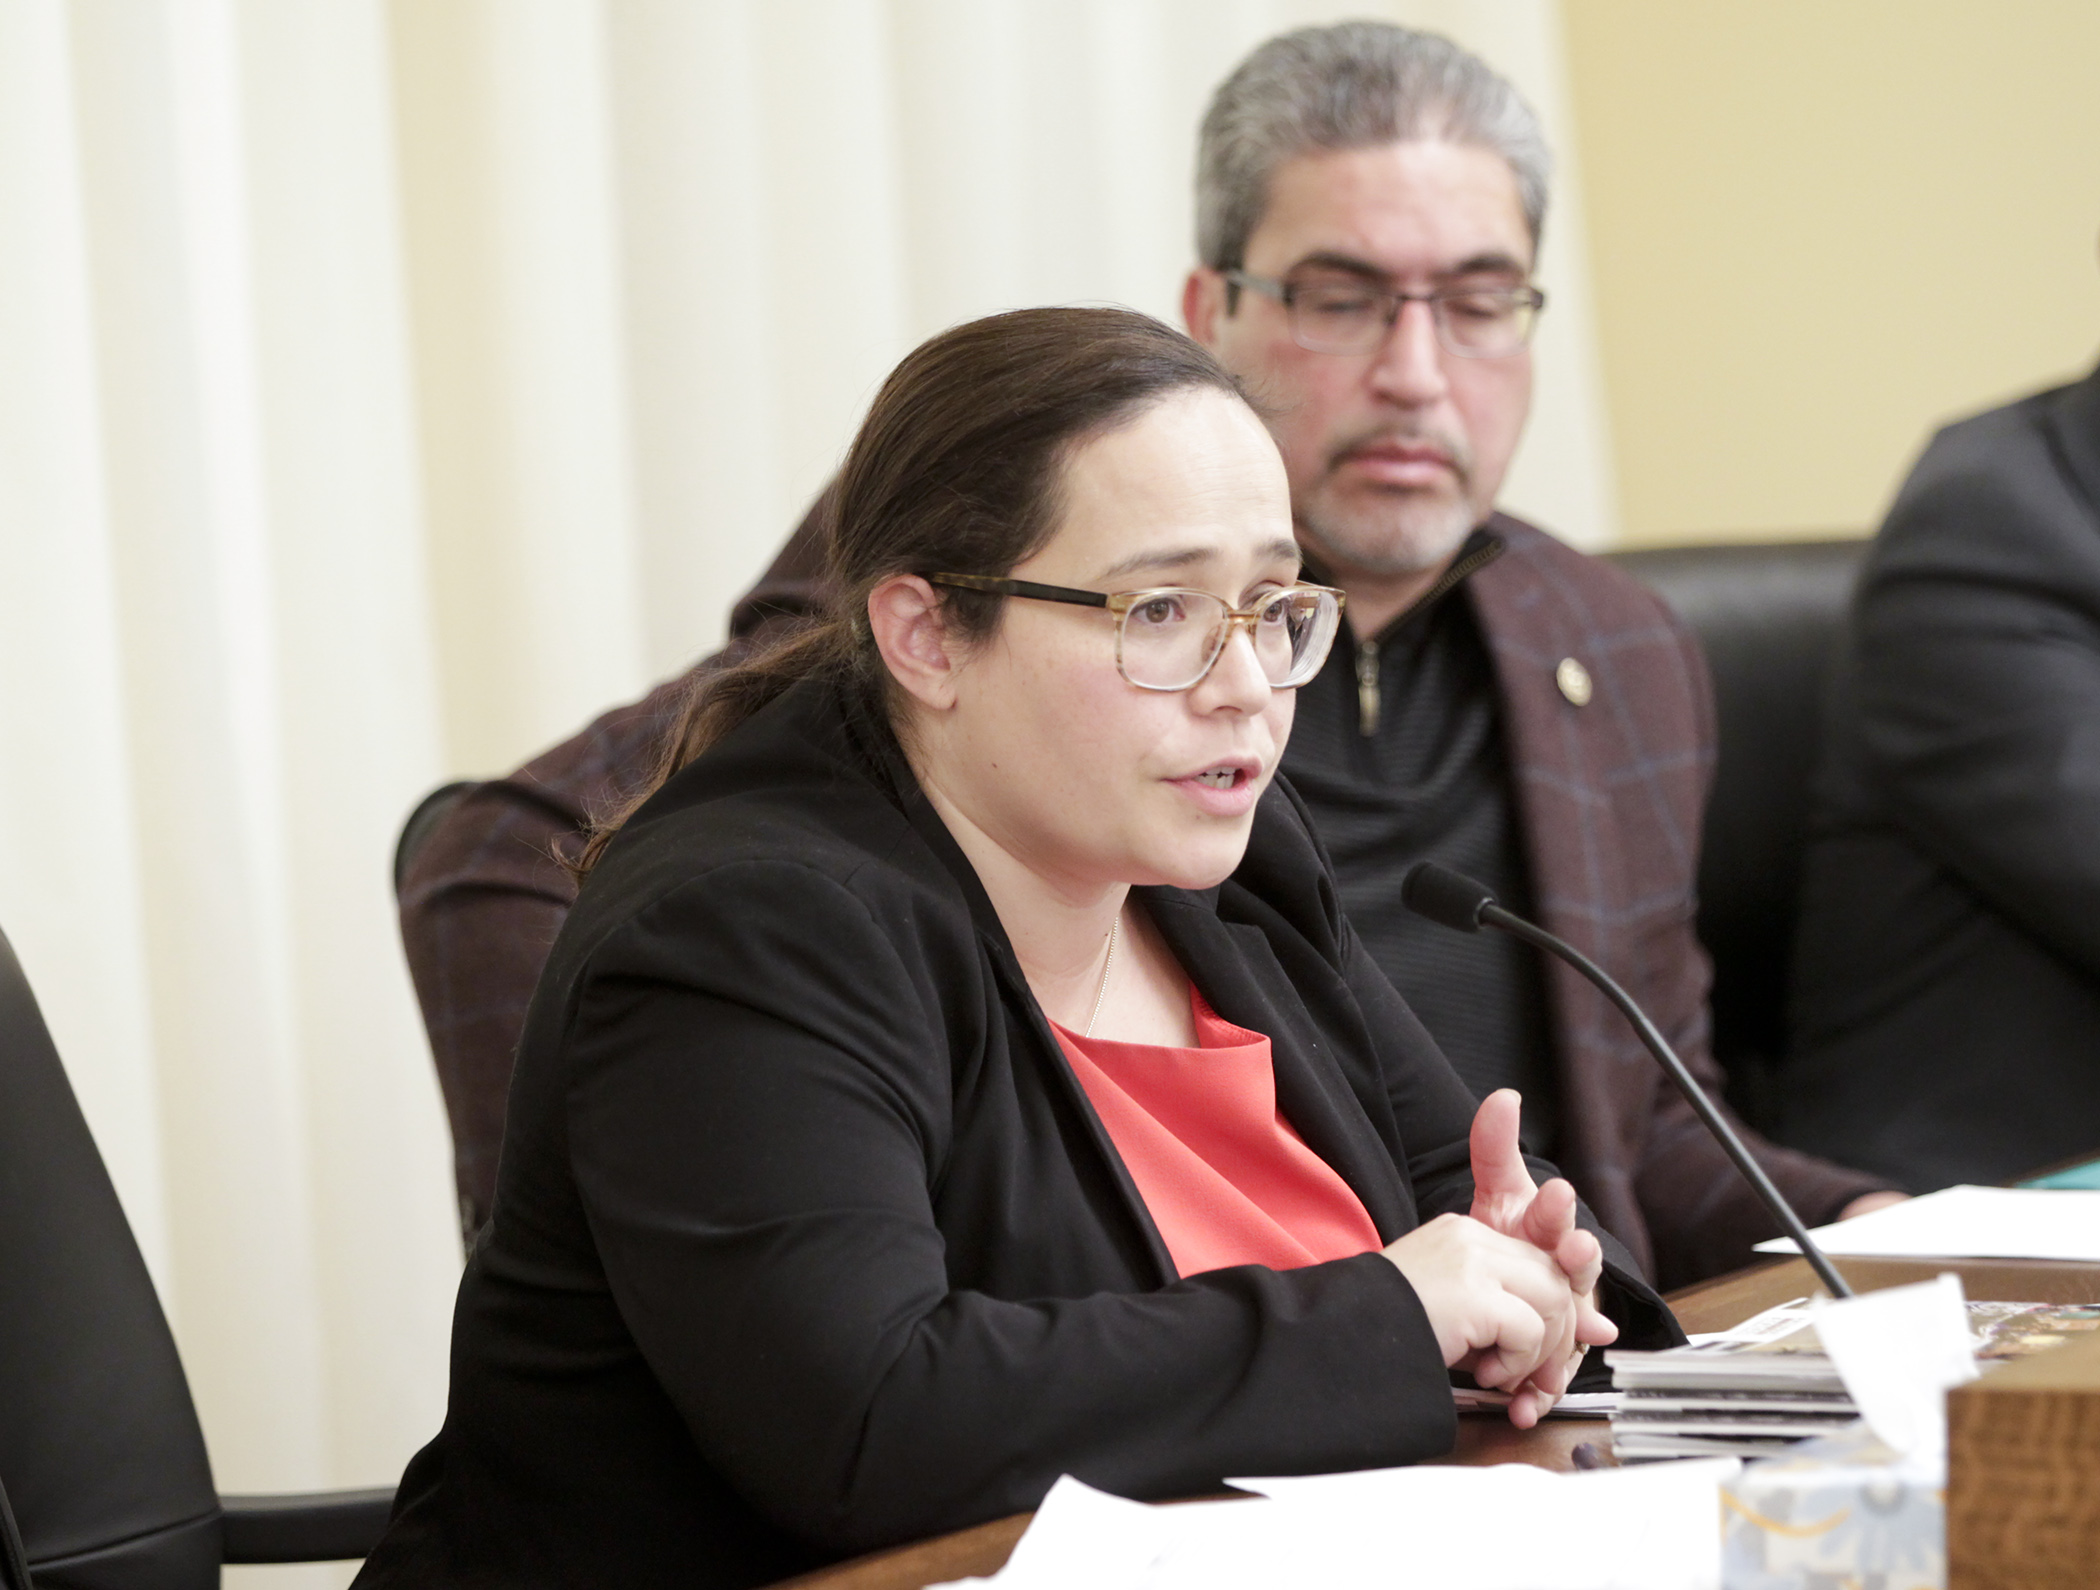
(1758, 1389)
(1746, 1392)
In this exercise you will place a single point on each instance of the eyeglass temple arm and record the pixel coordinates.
(1028, 588)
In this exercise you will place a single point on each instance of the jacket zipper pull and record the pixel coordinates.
(1367, 687)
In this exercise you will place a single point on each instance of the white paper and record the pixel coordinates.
(1969, 1223)
(1081, 1535)
(1511, 1527)
(1898, 1352)
(1654, 1527)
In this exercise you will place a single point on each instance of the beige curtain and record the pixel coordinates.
(387, 388)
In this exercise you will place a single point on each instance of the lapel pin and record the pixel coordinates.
(1574, 681)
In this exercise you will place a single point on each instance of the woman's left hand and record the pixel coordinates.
(1508, 1200)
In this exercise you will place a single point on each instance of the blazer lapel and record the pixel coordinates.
(1050, 1055)
(1239, 975)
(1018, 998)
(1572, 849)
(1561, 753)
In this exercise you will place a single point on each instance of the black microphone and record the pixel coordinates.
(1456, 901)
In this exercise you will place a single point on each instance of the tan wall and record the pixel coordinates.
(1818, 230)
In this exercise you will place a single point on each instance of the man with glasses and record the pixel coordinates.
(1369, 201)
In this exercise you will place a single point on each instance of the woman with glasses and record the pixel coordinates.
(955, 1071)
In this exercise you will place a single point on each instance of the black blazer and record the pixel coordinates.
(1947, 970)
(806, 1240)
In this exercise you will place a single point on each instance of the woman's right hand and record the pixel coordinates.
(1500, 1307)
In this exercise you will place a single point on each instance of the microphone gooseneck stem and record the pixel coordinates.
(1694, 1094)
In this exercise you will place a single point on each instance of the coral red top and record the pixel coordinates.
(1226, 1179)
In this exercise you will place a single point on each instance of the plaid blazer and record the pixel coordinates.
(1610, 794)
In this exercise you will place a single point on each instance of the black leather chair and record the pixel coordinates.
(1767, 616)
(107, 1485)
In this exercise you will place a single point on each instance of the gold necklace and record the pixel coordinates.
(1107, 961)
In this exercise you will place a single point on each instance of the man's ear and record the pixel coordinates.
(1202, 303)
(917, 646)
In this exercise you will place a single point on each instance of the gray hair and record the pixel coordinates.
(1346, 87)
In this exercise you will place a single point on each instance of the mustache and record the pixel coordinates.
(1453, 448)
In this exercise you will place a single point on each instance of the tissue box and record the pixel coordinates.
(1834, 1514)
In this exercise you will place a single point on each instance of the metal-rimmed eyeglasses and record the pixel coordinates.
(1356, 316)
(1169, 638)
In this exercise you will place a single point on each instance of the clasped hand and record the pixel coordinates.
(1510, 1288)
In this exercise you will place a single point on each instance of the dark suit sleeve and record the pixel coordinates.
(760, 1110)
(485, 896)
(1703, 1218)
(1978, 677)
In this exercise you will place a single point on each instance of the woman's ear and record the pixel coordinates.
(920, 651)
